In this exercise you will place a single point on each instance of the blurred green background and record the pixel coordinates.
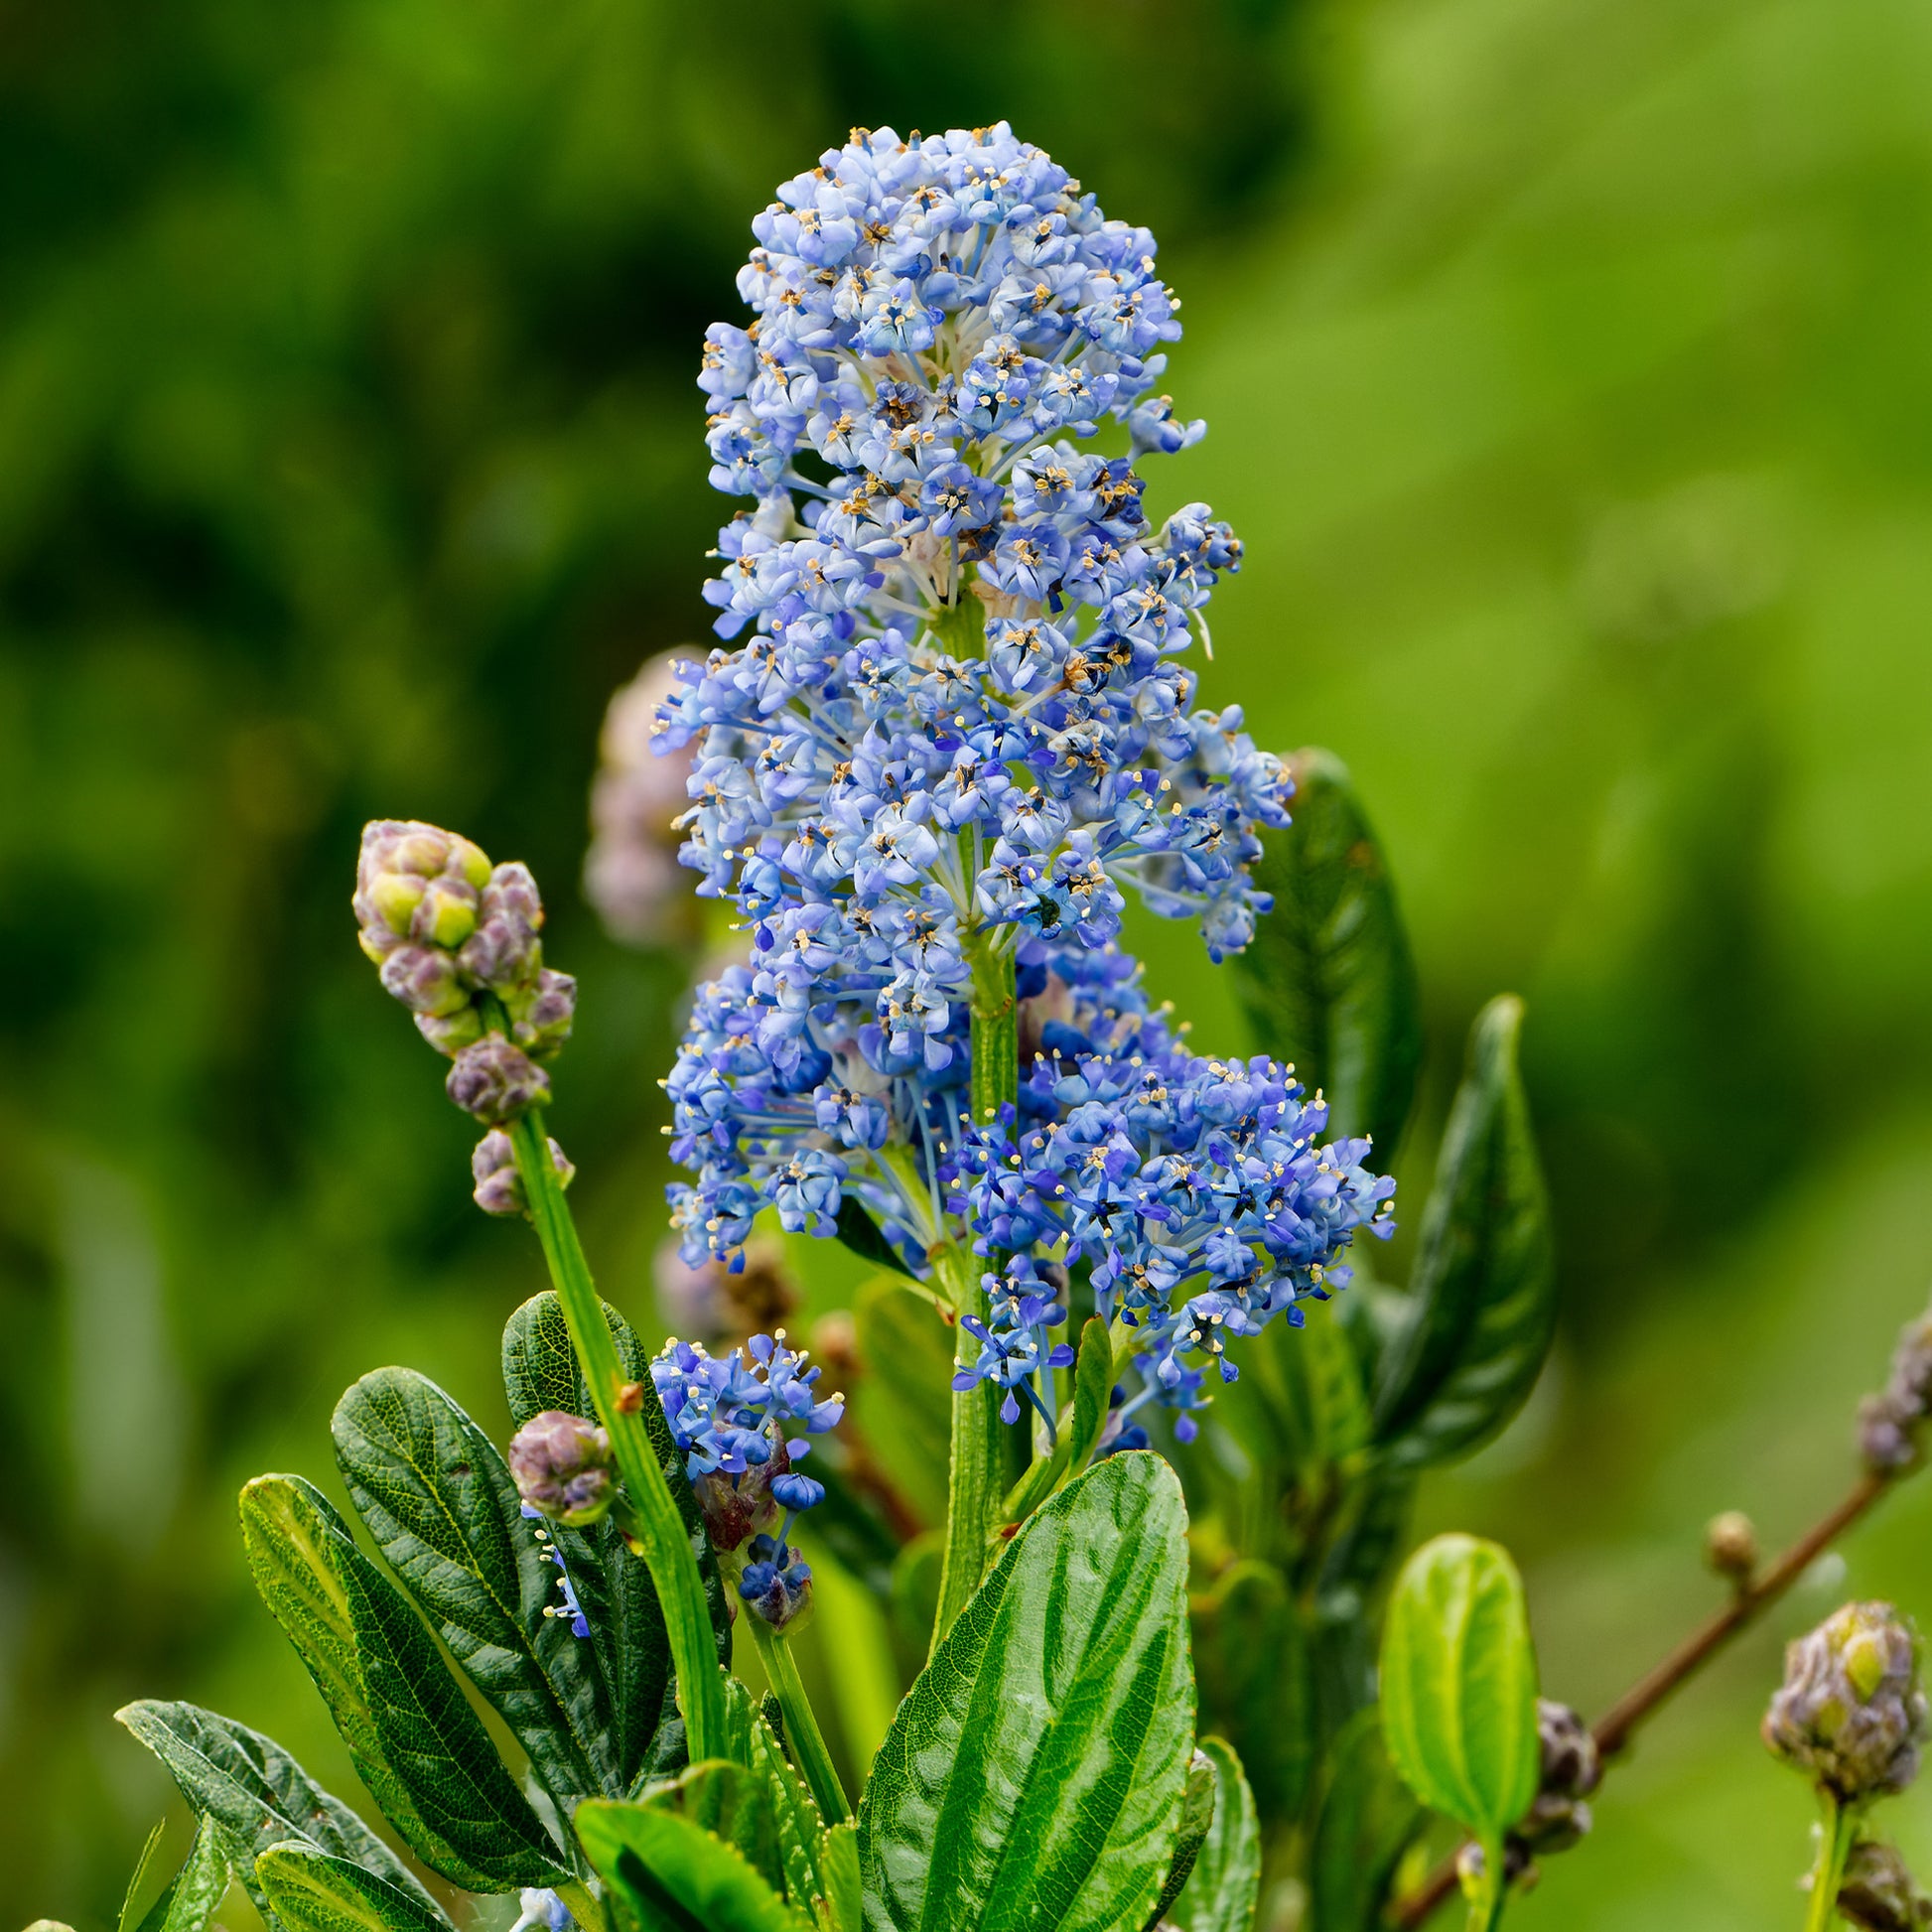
(1570, 368)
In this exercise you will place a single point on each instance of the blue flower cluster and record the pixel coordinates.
(1197, 1196)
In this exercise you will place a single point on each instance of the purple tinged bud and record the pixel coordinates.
(450, 1033)
(1878, 1892)
(500, 1188)
(1569, 1773)
(415, 881)
(1850, 1712)
(1890, 1423)
(778, 1584)
(545, 1024)
(425, 980)
(497, 1081)
(561, 1467)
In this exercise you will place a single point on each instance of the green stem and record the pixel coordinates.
(1833, 1848)
(1486, 1902)
(585, 1910)
(802, 1734)
(996, 1031)
(666, 1546)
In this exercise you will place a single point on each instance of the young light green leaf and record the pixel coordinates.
(674, 1876)
(197, 1890)
(899, 1405)
(841, 1908)
(138, 1877)
(1458, 1684)
(1328, 981)
(257, 1793)
(1483, 1287)
(1223, 1889)
(732, 1803)
(1365, 1820)
(1034, 1774)
(1093, 1388)
(445, 1513)
(1200, 1799)
(411, 1734)
(1251, 1660)
(310, 1891)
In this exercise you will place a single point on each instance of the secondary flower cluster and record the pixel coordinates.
(729, 1415)
(457, 940)
(1851, 1713)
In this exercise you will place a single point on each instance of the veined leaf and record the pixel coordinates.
(674, 1876)
(842, 1908)
(257, 1793)
(1251, 1661)
(1484, 1282)
(1365, 1820)
(1328, 979)
(445, 1513)
(197, 1890)
(732, 1804)
(312, 1893)
(1033, 1773)
(415, 1742)
(1226, 1883)
(1200, 1798)
(1459, 1685)
(633, 1655)
(795, 1817)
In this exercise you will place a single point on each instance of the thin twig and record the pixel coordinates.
(1613, 1731)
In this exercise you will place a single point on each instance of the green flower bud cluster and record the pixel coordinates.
(1850, 1713)
(455, 935)
(500, 1188)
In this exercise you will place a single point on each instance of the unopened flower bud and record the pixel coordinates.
(778, 1584)
(450, 1033)
(561, 1467)
(1878, 1893)
(504, 953)
(497, 1081)
(425, 980)
(415, 881)
(500, 1188)
(1570, 1772)
(1851, 1711)
(1730, 1545)
(544, 1024)
(1890, 1423)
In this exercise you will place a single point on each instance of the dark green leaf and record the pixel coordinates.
(1033, 1776)
(732, 1804)
(1365, 1820)
(1458, 1684)
(1198, 1799)
(864, 1236)
(257, 1793)
(619, 1603)
(675, 1876)
(900, 1406)
(1484, 1282)
(1328, 981)
(1093, 1388)
(1221, 1891)
(411, 1734)
(197, 1890)
(445, 1513)
(1250, 1662)
(313, 1892)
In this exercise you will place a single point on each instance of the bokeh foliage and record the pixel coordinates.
(1568, 378)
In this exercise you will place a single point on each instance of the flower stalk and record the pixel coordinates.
(1836, 1839)
(802, 1734)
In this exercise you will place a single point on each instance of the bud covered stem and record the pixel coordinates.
(656, 1525)
(802, 1734)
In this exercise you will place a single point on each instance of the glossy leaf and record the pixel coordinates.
(411, 1734)
(1221, 1891)
(1458, 1684)
(1034, 1774)
(901, 1405)
(440, 1505)
(310, 1891)
(867, 1239)
(1365, 1820)
(1251, 1660)
(257, 1793)
(732, 1803)
(672, 1875)
(1328, 981)
(1199, 1799)
(1093, 1388)
(633, 1656)
(1483, 1287)
(194, 1893)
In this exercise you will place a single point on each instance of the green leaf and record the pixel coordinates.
(138, 1877)
(795, 1817)
(313, 1892)
(1328, 980)
(1483, 1287)
(1251, 1661)
(633, 1656)
(197, 1890)
(411, 1734)
(867, 1239)
(842, 1908)
(1200, 1798)
(1365, 1820)
(257, 1793)
(1458, 1684)
(1093, 1389)
(901, 1405)
(1033, 1776)
(675, 1876)
(1221, 1891)
(732, 1804)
